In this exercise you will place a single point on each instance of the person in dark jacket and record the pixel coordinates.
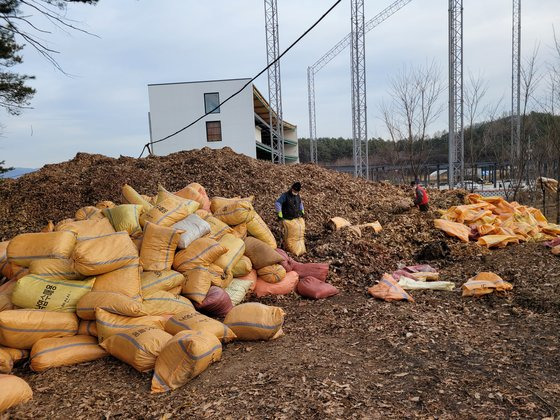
(421, 198)
(289, 205)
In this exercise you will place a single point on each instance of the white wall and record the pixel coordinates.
(175, 105)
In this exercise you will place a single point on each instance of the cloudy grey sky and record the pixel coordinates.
(103, 107)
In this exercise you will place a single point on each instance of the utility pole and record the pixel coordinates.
(516, 82)
(327, 57)
(274, 85)
(312, 120)
(359, 102)
(456, 170)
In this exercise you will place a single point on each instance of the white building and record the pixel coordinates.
(242, 123)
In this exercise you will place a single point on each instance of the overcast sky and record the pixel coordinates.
(103, 107)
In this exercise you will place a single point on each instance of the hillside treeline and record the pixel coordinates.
(488, 141)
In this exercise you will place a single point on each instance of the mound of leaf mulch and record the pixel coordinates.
(349, 356)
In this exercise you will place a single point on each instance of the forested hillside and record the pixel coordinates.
(484, 142)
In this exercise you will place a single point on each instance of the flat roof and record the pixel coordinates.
(199, 81)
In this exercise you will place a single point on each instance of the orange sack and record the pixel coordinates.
(388, 289)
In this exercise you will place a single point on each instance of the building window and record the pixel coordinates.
(213, 131)
(211, 101)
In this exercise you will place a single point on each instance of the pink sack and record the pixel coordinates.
(317, 270)
(550, 244)
(313, 288)
(217, 303)
(288, 262)
(284, 287)
(422, 268)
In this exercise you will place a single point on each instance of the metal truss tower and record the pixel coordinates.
(456, 170)
(274, 85)
(359, 101)
(328, 56)
(312, 121)
(516, 82)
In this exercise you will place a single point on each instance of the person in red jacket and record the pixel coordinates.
(421, 198)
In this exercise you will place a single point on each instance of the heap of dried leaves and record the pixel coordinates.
(349, 356)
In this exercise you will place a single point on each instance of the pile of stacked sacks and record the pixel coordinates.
(494, 222)
(144, 282)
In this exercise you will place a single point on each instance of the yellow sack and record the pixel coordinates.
(6, 362)
(176, 290)
(337, 223)
(238, 289)
(190, 193)
(499, 241)
(125, 218)
(192, 320)
(235, 249)
(104, 254)
(165, 303)
(154, 281)
(158, 247)
(116, 303)
(13, 391)
(255, 321)
(54, 352)
(89, 213)
(21, 328)
(458, 230)
(484, 283)
(375, 226)
(105, 204)
(36, 292)
(85, 229)
(240, 231)
(258, 228)
(6, 295)
(27, 247)
(125, 280)
(205, 204)
(62, 222)
(137, 240)
(130, 196)
(272, 274)
(217, 227)
(55, 269)
(139, 347)
(87, 328)
(184, 357)
(294, 236)
(49, 227)
(235, 212)
(170, 209)
(243, 267)
(16, 354)
(218, 202)
(109, 324)
(199, 279)
(201, 252)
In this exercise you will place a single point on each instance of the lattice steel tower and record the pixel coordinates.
(516, 82)
(456, 168)
(359, 102)
(327, 57)
(274, 85)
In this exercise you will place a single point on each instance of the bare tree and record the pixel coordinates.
(531, 76)
(475, 89)
(554, 127)
(414, 106)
